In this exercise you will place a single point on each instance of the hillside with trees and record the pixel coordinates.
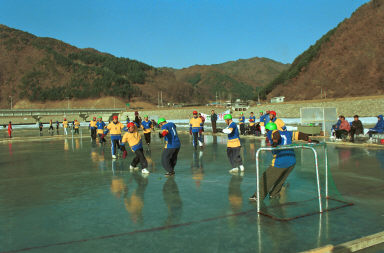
(40, 69)
(46, 69)
(348, 61)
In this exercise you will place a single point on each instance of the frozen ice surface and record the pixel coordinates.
(67, 195)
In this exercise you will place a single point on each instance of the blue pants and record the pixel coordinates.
(115, 142)
(197, 139)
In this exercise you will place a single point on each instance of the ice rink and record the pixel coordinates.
(67, 195)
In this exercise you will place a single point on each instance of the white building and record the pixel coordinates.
(277, 99)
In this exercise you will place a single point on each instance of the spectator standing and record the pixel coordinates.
(213, 121)
(41, 128)
(10, 129)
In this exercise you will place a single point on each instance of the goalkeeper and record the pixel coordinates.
(283, 162)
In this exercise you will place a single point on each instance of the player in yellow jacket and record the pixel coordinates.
(93, 127)
(279, 123)
(65, 126)
(133, 139)
(77, 126)
(114, 128)
(196, 129)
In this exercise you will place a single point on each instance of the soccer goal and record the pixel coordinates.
(326, 117)
(311, 147)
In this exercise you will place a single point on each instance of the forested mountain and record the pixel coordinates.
(41, 69)
(347, 61)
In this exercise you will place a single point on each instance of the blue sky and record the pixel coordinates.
(181, 33)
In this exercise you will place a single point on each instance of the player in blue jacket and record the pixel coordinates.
(242, 124)
(233, 145)
(264, 119)
(100, 129)
(283, 162)
(172, 146)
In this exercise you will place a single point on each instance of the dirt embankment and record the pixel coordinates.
(104, 102)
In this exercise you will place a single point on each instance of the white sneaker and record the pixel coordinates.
(114, 157)
(136, 168)
(144, 171)
(234, 170)
(241, 168)
(131, 167)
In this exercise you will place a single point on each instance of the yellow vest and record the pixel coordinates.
(115, 128)
(92, 123)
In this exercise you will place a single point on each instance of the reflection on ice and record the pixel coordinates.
(173, 201)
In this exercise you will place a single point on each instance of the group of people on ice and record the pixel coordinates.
(275, 130)
(132, 138)
(258, 128)
(276, 133)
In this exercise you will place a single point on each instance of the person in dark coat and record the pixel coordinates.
(137, 119)
(213, 121)
(356, 128)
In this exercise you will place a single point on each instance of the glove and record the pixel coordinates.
(190, 132)
(125, 153)
(226, 131)
(160, 135)
(102, 136)
(200, 131)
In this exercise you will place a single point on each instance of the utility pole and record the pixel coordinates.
(216, 99)
(67, 102)
(161, 98)
(114, 102)
(11, 101)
